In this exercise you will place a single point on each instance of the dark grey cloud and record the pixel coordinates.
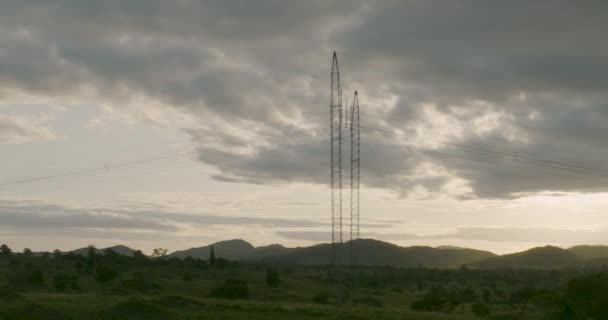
(252, 73)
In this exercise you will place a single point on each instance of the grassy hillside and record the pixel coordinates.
(373, 252)
(547, 257)
(590, 252)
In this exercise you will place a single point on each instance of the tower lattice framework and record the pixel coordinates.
(335, 115)
(355, 169)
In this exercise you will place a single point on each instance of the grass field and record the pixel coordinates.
(36, 288)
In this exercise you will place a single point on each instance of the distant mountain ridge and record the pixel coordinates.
(235, 249)
(120, 249)
(547, 257)
(370, 252)
(376, 253)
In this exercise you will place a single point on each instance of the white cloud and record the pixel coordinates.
(23, 128)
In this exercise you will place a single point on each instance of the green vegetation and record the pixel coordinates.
(105, 284)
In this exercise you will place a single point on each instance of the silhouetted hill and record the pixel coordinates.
(230, 249)
(120, 249)
(270, 250)
(233, 250)
(590, 252)
(547, 257)
(374, 252)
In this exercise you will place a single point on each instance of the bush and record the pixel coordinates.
(33, 312)
(27, 277)
(272, 278)
(481, 310)
(178, 302)
(9, 296)
(135, 310)
(323, 298)
(36, 277)
(65, 281)
(104, 275)
(231, 289)
(138, 283)
(370, 301)
(506, 316)
(429, 303)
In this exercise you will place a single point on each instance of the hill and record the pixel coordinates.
(374, 252)
(120, 249)
(547, 257)
(232, 250)
(590, 252)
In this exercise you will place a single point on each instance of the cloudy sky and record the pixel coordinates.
(179, 123)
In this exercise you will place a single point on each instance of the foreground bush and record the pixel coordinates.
(65, 281)
(324, 298)
(231, 289)
(369, 301)
(481, 310)
(135, 310)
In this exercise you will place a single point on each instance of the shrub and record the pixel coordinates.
(178, 302)
(104, 275)
(65, 281)
(370, 301)
(323, 298)
(137, 282)
(272, 278)
(35, 277)
(27, 277)
(429, 303)
(135, 310)
(481, 310)
(9, 296)
(231, 289)
(33, 312)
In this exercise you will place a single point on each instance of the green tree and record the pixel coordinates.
(104, 275)
(272, 278)
(5, 250)
(65, 281)
(139, 255)
(91, 252)
(520, 299)
(231, 289)
(212, 256)
(481, 310)
(27, 252)
(159, 252)
(587, 297)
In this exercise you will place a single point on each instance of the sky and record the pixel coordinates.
(176, 124)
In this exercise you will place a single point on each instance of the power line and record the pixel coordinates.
(91, 170)
(499, 154)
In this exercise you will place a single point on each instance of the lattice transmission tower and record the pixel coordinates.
(335, 120)
(355, 169)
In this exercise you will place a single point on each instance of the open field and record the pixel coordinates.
(111, 286)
